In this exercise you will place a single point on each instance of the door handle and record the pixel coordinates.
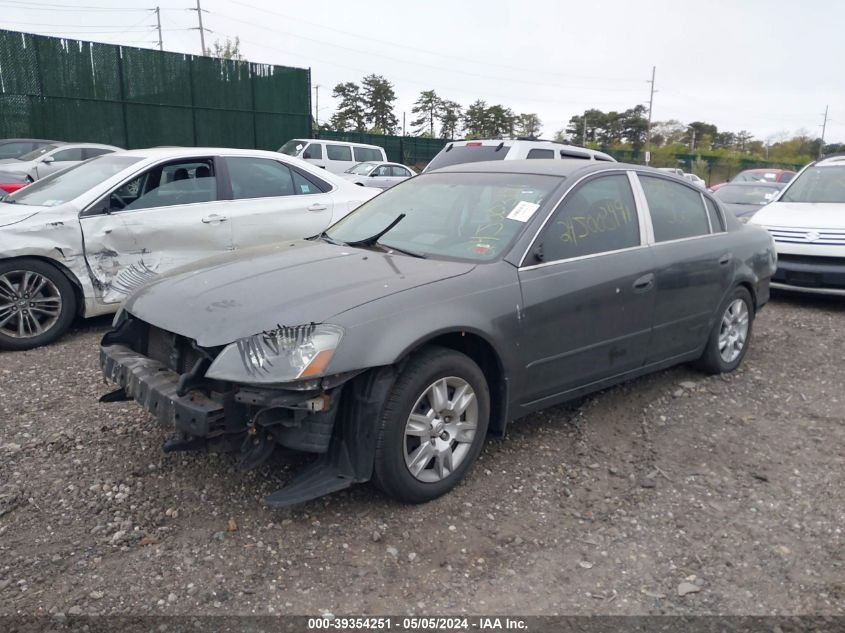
(214, 219)
(317, 207)
(644, 283)
(725, 259)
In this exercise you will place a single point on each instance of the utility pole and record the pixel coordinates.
(158, 26)
(201, 29)
(692, 143)
(317, 105)
(650, 104)
(824, 128)
(403, 124)
(584, 134)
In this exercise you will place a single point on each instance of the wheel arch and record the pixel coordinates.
(78, 291)
(484, 354)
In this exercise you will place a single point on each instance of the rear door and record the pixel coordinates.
(588, 291)
(272, 201)
(169, 215)
(693, 262)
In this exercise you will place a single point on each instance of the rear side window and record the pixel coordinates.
(68, 154)
(366, 154)
(677, 211)
(715, 216)
(460, 154)
(315, 150)
(303, 185)
(599, 216)
(259, 178)
(541, 153)
(91, 152)
(401, 172)
(339, 152)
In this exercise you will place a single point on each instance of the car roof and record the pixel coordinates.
(333, 142)
(177, 152)
(756, 183)
(827, 161)
(3, 141)
(542, 167)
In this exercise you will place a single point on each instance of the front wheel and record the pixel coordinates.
(729, 339)
(432, 427)
(37, 304)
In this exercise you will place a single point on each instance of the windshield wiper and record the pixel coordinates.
(369, 241)
(327, 238)
(402, 250)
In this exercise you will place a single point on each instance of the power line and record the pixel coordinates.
(26, 6)
(99, 26)
(487, 64)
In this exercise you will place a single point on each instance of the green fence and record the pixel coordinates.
(409, 150)
(82, 91)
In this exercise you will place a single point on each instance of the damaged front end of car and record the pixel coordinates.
(252, 396)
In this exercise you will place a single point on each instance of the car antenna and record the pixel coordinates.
(500, 146)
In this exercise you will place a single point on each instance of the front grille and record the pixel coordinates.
(821, 237)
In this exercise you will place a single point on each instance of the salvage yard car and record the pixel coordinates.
(472, 151)
(48, 159)
(377, 174)
(807, 222)
(451, 304)
(78, 241)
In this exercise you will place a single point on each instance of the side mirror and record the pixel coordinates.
(47, 160)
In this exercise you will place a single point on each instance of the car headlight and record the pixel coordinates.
(280, 355)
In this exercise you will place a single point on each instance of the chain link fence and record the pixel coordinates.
(72, 90)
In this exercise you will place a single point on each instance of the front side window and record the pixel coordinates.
(464, 216)
(541, 153)
(314, 150)
(817, 184)
(597, 217)
(259, 178)
(72, 182)
(367, 153)
(72, 154)
(182, 182)
(339, 152)
(677, 211)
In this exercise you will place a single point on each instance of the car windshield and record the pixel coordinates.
(37, 152)
(469, 153)
(817, 184)
(72, 182)
(465, 216)
(361, 169)
(292, 148)
(739, 194)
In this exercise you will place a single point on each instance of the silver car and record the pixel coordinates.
(48, 159)
(377, 174)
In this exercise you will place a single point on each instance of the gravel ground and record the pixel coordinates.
(676, 493)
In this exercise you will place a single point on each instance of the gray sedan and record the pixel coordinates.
(436, 314)
(381, 175)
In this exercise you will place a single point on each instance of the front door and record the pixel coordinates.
(168, 216)
(588, 291)
(694, 266)
(272, 202)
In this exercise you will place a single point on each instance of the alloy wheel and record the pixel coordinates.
(733, 331)
(30, 304)
(440, 429)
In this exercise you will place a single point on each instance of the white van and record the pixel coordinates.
(472, 151)
(333, 156)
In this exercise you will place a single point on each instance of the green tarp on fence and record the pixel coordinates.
(82, 91)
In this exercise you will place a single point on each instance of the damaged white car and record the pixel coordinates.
(77, 242)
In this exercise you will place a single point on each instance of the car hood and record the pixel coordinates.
(809, 215)
(741, 210)
(15, 213)
(229, 297)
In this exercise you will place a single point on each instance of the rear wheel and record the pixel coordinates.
(432, 427)
(37, 304)
(728, 341)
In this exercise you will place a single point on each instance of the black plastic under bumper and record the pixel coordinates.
(822, 274)
(155, 388)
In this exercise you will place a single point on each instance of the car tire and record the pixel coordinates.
(38, 294)
(440, 400)
(731, 335)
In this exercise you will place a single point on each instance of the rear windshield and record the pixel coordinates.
(460, 154)
(37, 152)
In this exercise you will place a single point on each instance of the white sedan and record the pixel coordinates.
(48, 159)
(375, 174)
(79, 241)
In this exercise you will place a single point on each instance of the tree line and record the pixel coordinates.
(368, 106)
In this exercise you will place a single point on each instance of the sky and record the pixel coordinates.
(766, 66)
